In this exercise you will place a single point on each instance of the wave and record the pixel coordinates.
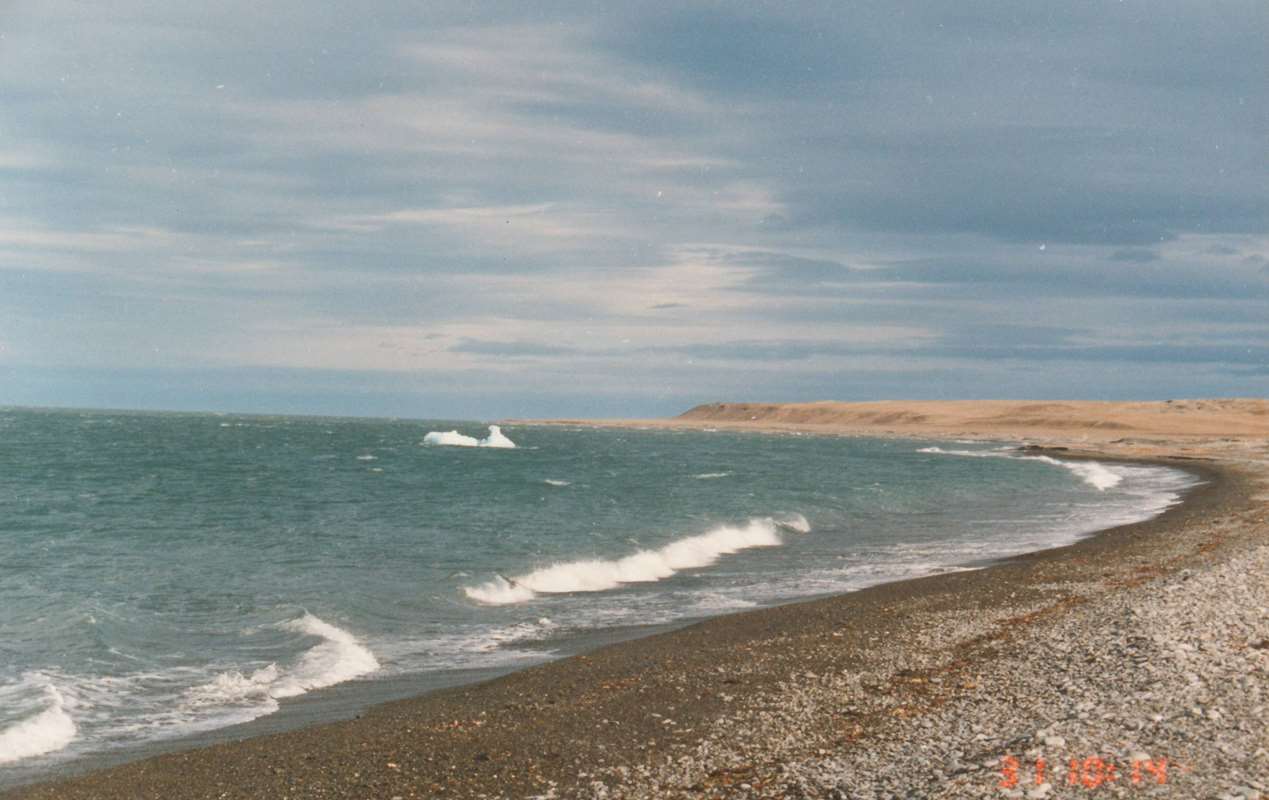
(704, 476)
(1094, 473)
(471, 647)
(644, 566)
(48, 731)
(174, 701)
(338, 658)
(496, 438)
(553, 482)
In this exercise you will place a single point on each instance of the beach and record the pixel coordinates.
(1132, 663)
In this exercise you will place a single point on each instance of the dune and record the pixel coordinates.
(1080, 419)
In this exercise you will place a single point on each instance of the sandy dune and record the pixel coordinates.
(1226, 428)
(1094, 421)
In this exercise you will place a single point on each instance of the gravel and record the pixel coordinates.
(1133, 663)
(1158, 689)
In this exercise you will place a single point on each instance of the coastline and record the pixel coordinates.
(732, 701)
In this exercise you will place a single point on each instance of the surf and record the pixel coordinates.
(644, 566)
(1093, 473)
(337, 658)
(48, 731)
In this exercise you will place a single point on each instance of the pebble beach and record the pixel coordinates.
(1134, 663)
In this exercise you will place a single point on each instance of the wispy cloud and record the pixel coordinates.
(652, 205)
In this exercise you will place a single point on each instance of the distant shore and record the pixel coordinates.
(1139, 644)
(1145, 428)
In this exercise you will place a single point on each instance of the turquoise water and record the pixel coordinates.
(164, 574)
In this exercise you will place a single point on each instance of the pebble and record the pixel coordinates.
(1131, 677)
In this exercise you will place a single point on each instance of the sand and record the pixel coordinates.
(1167, 425)
(921, 688)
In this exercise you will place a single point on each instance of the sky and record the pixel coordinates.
(485, 210)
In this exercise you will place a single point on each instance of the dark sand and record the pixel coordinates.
(543, 727)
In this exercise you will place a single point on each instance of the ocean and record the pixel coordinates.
(165, 577)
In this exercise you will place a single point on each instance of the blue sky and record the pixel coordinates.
(513, 209)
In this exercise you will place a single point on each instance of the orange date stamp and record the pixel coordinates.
(1091, 772)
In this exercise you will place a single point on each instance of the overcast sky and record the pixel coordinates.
(545, 209)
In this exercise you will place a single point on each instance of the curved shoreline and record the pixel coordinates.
(595, 711)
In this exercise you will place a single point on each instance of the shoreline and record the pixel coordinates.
(596, 713)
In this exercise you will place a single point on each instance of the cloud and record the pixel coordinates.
(511, 349)
(1134, 254)
(795, 199)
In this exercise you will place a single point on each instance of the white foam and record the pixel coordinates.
(496, 438)
(644, 566)
(468, 647)
(710, 603)
(1095, 474)
(338, 658)
(972, 453)
(233, 688)
(48, 731)
(705, 476)
(367, 457)
(553, 482)
(794, 522)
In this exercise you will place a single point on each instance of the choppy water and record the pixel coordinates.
(166, 574)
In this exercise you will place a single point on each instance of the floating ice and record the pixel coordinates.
(456, 439)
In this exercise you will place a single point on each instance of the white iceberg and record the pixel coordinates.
(456, 439)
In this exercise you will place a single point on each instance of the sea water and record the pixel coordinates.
(166, 575)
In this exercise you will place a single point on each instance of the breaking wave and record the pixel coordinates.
(644, 566)
(49, 730)
(338, 658)
(1094, 473)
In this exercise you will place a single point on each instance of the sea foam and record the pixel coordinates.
(1095, 474)
(45, 732)
(337, 658)
(644, 566)
(496, 438)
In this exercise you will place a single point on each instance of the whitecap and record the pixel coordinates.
(1100, 476)
(337, 658)
(1095, 474)
(47, 731)
(644, 566)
